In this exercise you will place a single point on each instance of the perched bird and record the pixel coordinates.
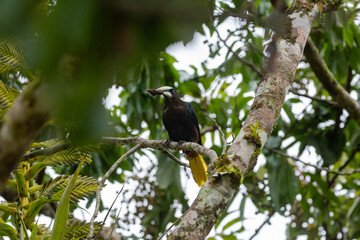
(182, 125)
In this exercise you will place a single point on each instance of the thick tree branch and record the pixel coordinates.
(217, 193)
(337, 92)
(28, 114)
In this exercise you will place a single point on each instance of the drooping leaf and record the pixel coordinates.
(282, 181)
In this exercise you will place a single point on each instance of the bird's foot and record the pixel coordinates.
(167, 142)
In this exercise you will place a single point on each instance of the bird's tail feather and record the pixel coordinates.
(198, 167)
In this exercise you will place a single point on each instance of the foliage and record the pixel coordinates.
(32, 191)
(79, 56)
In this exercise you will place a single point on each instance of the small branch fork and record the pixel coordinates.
(144, 143)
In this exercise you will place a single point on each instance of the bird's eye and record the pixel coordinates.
(172, 91)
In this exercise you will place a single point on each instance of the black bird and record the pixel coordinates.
(182, 125)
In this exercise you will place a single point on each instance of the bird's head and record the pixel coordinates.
(166, 91)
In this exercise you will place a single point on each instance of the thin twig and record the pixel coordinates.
(267, 220)
(107, 214)
(312, 165)
(116, 220)
(223, 138)
(331, 103)
(102, 182)
(172, 156)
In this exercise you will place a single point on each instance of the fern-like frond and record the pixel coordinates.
(68, 157)
(84, 187)
(11, 57)
(78, 229)
(7, 97)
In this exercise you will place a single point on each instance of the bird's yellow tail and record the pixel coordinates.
(198, 167)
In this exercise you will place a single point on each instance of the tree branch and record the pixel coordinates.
(328, 80)
(171, 156)
(161, 144)
(27, 115)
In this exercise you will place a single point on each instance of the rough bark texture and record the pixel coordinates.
(217, 193)
(328, 80)
(21, 124)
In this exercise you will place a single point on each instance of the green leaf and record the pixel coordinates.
(7, 230)
(10, 55)
(34, 233)
(232, 222)
(282, 181)
(84, 187)
(242, 207)
(348, 36)
(61, 216)
(167, 169)
(228, 237)
(34, 208)
(77, 229)
(331, 146)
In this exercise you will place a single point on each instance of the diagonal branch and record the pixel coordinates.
(171, 156)
(217, 193)
(328, 80)
(27, 115)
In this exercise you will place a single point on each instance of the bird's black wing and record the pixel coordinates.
(191, 112)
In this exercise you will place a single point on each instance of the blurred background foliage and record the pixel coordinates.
(80, 49)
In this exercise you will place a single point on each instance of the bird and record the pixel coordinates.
(181, 123)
